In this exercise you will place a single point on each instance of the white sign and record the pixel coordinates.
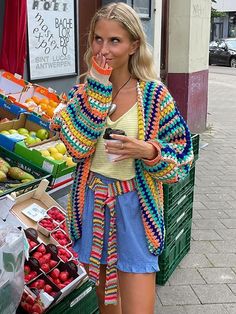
(51, 38)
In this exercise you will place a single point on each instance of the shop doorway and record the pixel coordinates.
(86, 12)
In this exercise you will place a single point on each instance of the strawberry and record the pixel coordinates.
(41, 249)
(52, 263)
(64, 276)
(48, 288)
(32, 244)
(45, 268)
(41, 283)
(29, 299)
(55, 273)
(37, 308)
(26, 269)
(37, 255)
(47, 257)
(61, 286)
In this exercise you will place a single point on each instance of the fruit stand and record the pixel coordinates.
(35, 170)
(34, 163)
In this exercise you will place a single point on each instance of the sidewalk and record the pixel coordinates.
(205, 280)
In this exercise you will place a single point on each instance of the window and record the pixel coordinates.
(143, 8)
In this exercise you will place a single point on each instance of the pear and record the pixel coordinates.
(26, 180)
(2, 161)
(4, 168)
(2, 176)
(19, 174)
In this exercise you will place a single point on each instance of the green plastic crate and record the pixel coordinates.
(17, 161)
(173, 254)
(175, 219)
(175, 191)
(195, 141)
(172, 237)
(80, 301)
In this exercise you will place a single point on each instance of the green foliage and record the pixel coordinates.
(215, 13)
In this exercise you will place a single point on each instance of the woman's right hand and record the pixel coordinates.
(101, 61)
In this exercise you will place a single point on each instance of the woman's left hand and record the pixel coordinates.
(129, 147)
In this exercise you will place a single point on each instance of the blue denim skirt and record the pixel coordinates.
(132, 250)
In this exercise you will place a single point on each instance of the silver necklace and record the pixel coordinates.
(113, 105)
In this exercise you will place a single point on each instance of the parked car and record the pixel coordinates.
(223, 52)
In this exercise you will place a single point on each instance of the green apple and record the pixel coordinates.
(43, 134)
(61, 148)
(12, 131)
(23, 131)
(37, 140)
(30, 140)
(5, 132)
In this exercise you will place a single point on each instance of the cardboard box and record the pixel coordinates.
(9, 110)
(38, 92)
(28, 121)
(37, 196)
(11, 84)
(58, 168)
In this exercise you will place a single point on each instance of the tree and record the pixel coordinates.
(215, 13)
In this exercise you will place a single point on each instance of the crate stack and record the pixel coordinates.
(81, 301)
(178, 209)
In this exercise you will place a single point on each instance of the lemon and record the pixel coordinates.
(52, 150)
(57, 156)
(45, 153)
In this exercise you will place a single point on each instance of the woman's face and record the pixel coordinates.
(113, 41)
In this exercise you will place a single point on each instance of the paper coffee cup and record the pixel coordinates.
(112, 157)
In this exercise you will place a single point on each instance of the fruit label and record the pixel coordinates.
(34, 212)
(47, 166)
(81, 296)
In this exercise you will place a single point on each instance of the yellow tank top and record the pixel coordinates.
(124, 169)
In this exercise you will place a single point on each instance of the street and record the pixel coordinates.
(205, 280)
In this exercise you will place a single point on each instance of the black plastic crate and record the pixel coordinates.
(17, 161)
(175, 191)
(80, 301)
(174, 253)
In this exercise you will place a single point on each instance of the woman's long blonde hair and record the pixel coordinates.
(141, 64)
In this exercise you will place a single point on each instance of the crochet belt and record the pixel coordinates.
(105, 195)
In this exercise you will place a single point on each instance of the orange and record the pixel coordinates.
(44, 100)
(35, 99)
(28, 100)
(50, 111)
(53, 103)
(43, 106)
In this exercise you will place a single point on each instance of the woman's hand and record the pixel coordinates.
(129, 147)
(101, 61)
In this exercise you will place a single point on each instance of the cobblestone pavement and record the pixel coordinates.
(205, 280)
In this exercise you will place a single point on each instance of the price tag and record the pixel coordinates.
(6, 204)
(47, 166)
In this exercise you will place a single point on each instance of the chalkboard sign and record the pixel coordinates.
(52, 49)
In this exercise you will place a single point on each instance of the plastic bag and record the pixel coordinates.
(11, 268)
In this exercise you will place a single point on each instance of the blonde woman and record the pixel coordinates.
(115, 212)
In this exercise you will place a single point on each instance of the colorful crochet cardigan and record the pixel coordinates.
(81, 123)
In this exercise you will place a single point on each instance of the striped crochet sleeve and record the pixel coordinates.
(82, 121)
(174, 143)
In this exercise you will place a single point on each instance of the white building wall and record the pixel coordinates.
(225, 5)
